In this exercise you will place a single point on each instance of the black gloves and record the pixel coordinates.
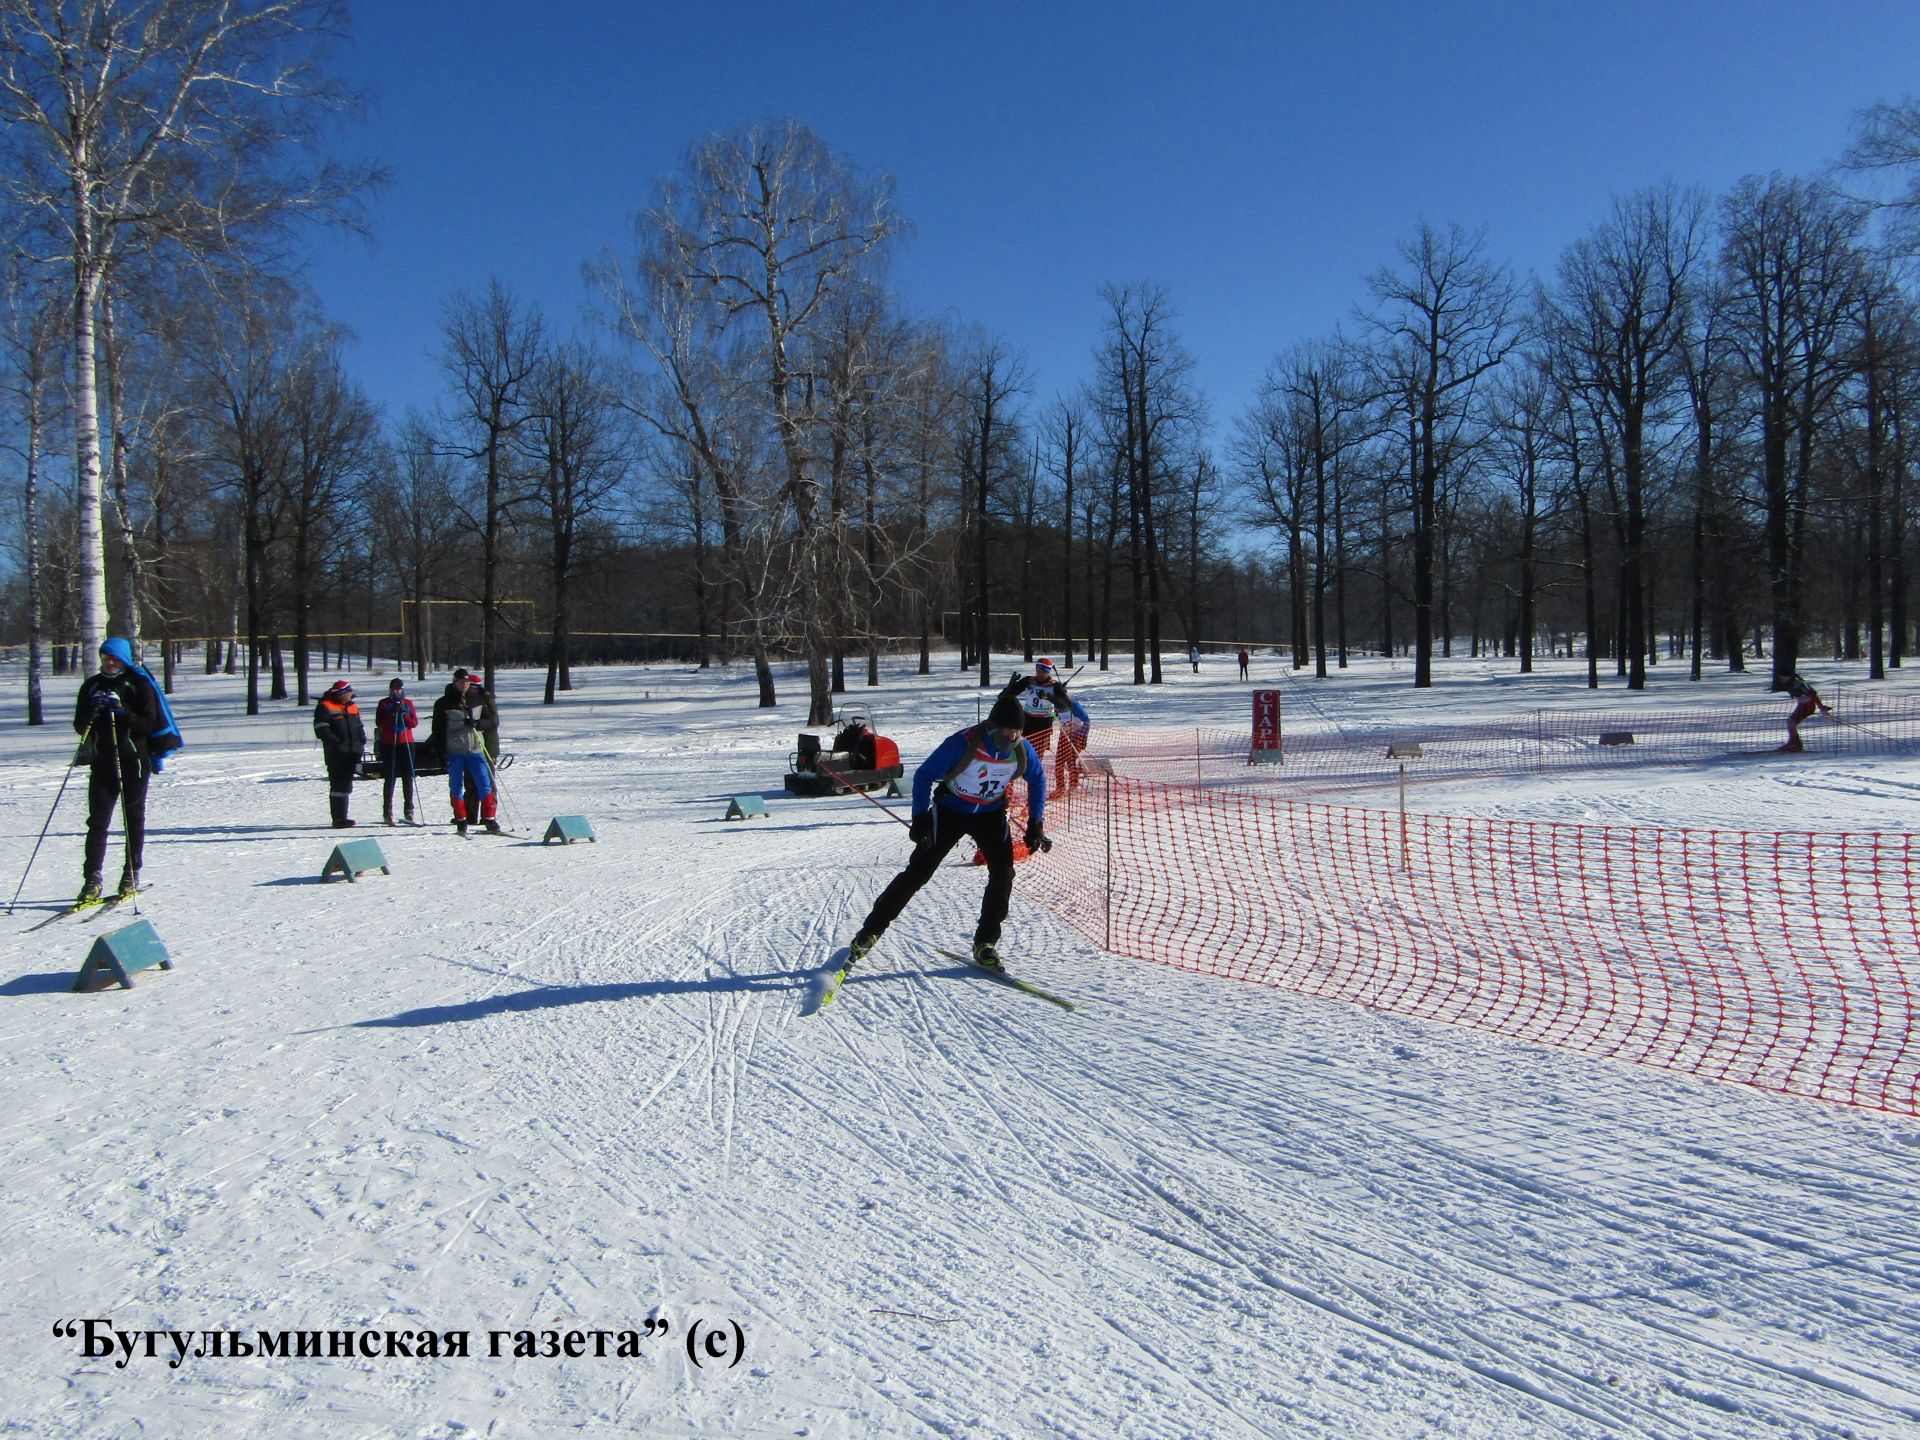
(1037, 838)
(105, 700)
(921, 830)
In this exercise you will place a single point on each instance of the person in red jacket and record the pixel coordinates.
(394, 721)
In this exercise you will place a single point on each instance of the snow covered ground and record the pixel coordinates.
(553, 1089)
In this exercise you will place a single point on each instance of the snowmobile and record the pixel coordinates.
(858, 760)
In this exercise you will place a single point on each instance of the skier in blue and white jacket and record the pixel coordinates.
(961, 789)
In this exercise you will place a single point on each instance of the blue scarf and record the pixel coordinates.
(122, 650)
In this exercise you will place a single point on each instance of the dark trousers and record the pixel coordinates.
(110, 785)
(341, 765)
(989, 831)
(397, 760)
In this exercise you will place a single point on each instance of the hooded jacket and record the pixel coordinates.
(457, 722)
(118, 737)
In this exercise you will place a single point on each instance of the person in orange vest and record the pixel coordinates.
(343, 738)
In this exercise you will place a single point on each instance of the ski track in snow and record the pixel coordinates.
(521, 1086)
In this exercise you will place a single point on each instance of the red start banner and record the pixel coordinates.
(1266, 720)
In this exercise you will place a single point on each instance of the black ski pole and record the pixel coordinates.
(493, 776)
(861, 793)
(84, 738)
(1867, 729)
(126, 824)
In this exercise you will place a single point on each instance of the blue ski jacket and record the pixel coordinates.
(951, 751)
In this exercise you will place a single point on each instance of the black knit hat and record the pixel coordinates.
(1007, 714)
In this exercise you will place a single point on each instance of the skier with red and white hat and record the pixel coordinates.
(1042, 698)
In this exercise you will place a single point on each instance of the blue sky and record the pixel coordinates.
(1256, 160)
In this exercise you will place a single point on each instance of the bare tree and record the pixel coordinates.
(1884, 364)
(1794, 277)
(992, 452)
(1151, 412)
(1328, 402)
(1271, 452)
(1707, 369)
(1065, 432)
(579, 458)
(696, 399)
(30, 341)
(1522, 445)
(1619, 314)
(1887, 143)
(1445, 320)
(414, 515)
(768, 223)
(494, 347)
(929, 401)
(331, 435)
(173, 122)
(239, 344)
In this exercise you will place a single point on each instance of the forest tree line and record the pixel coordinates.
(1690, 445)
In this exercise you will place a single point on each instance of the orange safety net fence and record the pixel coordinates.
(1789, 962)
(1318, 757)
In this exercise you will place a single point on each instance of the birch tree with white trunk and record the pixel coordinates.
(137, 124)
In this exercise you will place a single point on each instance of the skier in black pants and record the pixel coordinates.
(961, 789)
(117, 711)
(394, 721)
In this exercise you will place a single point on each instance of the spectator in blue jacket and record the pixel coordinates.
(961, 789)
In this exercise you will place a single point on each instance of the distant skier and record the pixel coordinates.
(117, 713)
(1042, 698)
(394, 721)
(343, 739)
(1193, 658)
(1809, 700)
(457, 735)
(1243, 664)
(1073, 742)
(961, 789)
